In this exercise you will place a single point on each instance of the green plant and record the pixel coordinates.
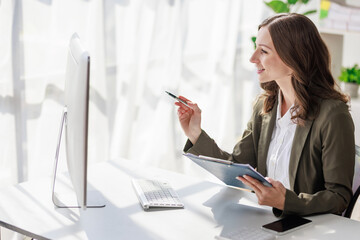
(350, 75)
(286, 7)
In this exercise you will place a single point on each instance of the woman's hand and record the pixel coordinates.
(270, 196)
(190, 119)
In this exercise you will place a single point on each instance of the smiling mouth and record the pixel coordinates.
(260, 70)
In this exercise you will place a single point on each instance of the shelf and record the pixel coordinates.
(338, 32)
(344, 51)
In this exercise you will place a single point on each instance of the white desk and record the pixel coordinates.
(210, 209)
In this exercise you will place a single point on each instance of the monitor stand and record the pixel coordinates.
(68, 199)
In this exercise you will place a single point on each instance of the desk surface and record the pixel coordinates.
(210, 209)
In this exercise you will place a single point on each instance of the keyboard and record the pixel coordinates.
(156, 194)
(246, 233)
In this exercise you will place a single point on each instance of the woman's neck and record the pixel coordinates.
(285, 106)
(287, 98)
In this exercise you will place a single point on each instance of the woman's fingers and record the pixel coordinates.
(183, 106)
(251, 182)
(183, 109)
(195, 107)
(184, 99)
(192, 107)
(190, 118)
(270, 196)
(277, 185)
(183, 114)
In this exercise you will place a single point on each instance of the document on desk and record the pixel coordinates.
(227, 171)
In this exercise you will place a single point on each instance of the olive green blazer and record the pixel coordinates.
(321, 164)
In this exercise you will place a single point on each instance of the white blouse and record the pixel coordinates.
(278, 157)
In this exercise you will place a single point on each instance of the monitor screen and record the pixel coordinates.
(75, 120)
(77, 105)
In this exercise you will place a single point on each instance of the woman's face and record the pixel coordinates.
(268, 63)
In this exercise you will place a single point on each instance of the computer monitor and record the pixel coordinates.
(75, 121)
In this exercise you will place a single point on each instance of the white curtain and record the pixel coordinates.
(139, 49)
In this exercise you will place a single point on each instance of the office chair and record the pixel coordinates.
(353, 210)
(356, 181)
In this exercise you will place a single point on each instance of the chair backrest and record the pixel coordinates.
(356, 181)
(353, 210)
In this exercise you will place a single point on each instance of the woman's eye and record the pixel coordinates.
(263, 51)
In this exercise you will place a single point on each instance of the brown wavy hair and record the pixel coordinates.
(300, 46)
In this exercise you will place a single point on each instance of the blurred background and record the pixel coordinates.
(199, 49)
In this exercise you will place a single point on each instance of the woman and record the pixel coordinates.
(301, 134)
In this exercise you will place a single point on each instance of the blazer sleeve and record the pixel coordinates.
(245, 151)
(337, 160)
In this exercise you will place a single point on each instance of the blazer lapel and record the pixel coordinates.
(267, 128)
(300, 137)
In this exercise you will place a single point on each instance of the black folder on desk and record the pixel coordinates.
(227, 171)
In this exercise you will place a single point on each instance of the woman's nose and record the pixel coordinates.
(254, 58)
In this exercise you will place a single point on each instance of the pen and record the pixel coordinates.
(177, 98)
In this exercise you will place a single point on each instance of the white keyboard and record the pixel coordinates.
(156, 193)
(247, 233)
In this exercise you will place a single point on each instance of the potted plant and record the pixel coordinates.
(288, 6)
(350, 78)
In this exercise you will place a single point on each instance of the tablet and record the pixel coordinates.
(227, 171)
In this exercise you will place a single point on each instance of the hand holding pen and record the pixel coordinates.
(189, 115)
(180, 99)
